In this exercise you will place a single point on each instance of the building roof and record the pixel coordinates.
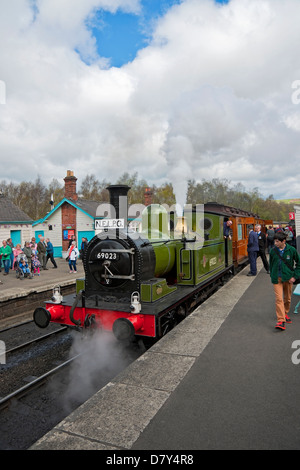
(89, 208)
(10, 213)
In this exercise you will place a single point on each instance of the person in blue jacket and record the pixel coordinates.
(50, 253)
(253, 249)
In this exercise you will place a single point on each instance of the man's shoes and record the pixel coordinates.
(280, 325)
(250, 274)
(288, 319)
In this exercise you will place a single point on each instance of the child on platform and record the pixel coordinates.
(35, 264)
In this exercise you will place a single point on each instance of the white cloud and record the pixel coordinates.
(209, 97)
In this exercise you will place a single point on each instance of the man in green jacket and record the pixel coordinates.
(284, 269)
(6, 251)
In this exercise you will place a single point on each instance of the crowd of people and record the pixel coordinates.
(283, 265)
(34, 256)
(260, 243)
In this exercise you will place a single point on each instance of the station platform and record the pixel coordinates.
(10, 286)
(20, 293)
(224, 378)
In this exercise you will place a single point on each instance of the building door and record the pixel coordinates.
(89, 234)
(38, 234)
(15, 236)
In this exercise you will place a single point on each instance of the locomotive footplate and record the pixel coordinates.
(157, 308)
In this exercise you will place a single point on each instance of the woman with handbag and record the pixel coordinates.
(284, 271)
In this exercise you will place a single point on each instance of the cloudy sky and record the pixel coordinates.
(171, 89)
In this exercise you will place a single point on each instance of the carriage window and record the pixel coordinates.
(240, 231)
(206, 225)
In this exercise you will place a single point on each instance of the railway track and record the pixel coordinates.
(33, 341)
(38, 381)
(35, 396)
(30, 360)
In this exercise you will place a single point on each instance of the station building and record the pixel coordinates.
(71, 216)
(14, 223)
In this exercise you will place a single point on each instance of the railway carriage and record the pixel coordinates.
(241, 221)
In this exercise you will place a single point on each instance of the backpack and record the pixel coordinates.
(289, 235)
(270, 233)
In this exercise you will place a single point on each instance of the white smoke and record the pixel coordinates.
(101, 357)
(179, 151)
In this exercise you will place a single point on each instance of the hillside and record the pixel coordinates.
(289, 201)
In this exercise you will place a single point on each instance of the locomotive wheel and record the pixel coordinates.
(182, 311)
(168, 322)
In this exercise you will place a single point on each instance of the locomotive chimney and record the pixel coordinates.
(119, 200)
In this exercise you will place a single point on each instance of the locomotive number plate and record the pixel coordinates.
(108, 255)
(109, 223)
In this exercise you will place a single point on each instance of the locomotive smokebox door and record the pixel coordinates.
(117, 263)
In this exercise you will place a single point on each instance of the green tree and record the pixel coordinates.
(164, 194)
(33, 197)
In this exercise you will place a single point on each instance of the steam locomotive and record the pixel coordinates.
(140, 284)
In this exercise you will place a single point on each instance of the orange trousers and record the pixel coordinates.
(283, 295)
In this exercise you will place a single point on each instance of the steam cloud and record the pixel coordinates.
(208, 97)
(101, 358)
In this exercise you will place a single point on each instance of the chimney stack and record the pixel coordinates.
(70, 186)
(148, 196)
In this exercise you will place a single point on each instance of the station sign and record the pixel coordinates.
(292, 215)
(101, 224)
